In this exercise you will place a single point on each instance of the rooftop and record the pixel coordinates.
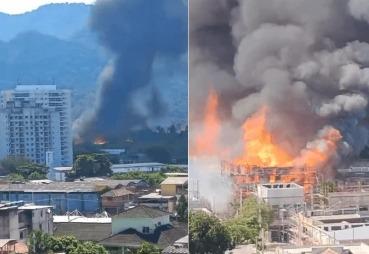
(34, 87)
(81, 186)
(80, 219)
(142, 211)
(34, 207)
(176, 180)
(155, 195)
(164, 236)
(282, 186)
(134, 165)
(63, 169)
(117, 193)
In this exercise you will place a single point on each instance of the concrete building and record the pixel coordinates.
(281, 195)
(347, 199)
(58, 174)
(174, 186)
(360, 248)
(17, 220)
(34, 121)
(137, 167)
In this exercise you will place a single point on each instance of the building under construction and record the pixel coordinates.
(246, 177)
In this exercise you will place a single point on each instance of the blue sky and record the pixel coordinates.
(21, 6)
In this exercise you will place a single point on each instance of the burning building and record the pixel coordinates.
(286, 84)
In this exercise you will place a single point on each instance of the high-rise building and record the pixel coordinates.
(35, 122)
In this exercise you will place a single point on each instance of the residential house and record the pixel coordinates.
(7, 246)
(117, 200)
(156, 200)
(174, 186)
(179, 247)
(18, 220)
(126, 230)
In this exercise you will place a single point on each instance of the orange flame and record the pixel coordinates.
(205, 142)
(319, 152)
(260, 147)
(262, 150)
(100, 141)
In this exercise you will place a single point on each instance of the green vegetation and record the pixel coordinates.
(210, 235)
(245, 227)
(147, 248)
(154, 179)
(91, 165)
(21, 169)
(182, 208)
(207, 234)
(41, 243)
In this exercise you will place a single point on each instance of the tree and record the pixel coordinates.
(152, 178)
(36, 176)
(38, 243)
(19, 166)
(246, 226)
(207, 234)
(41, 243)
(148, 248)
(14, 177)
(182, 208)
(89, 165)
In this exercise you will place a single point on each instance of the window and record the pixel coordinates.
(145, 230)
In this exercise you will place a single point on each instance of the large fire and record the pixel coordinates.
(205, 142)
(260, 147)
(263, 156)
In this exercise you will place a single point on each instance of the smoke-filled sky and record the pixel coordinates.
(140, 35)
(307, 61)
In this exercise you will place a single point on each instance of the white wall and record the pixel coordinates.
(120, 224)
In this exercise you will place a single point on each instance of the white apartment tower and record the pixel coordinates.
(35, 122)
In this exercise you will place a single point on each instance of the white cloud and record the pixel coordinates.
(21, 6)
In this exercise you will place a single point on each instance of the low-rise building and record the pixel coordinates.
(126, 230)
(58, 173)
(174, 186)
(156, 200)
(84, 196)
(17, 220)
(281, 195)
(179, 247)
(117, 200)
(137, 167)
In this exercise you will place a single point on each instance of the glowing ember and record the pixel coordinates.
(100, 141)
(205, 142)
(260, 147)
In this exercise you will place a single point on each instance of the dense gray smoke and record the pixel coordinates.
(135, 32)
(307, 61)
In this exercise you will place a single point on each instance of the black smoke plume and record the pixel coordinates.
(135, 32)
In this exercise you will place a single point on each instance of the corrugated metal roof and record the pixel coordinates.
(81, 186)
(176, 180)
(142, 211)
